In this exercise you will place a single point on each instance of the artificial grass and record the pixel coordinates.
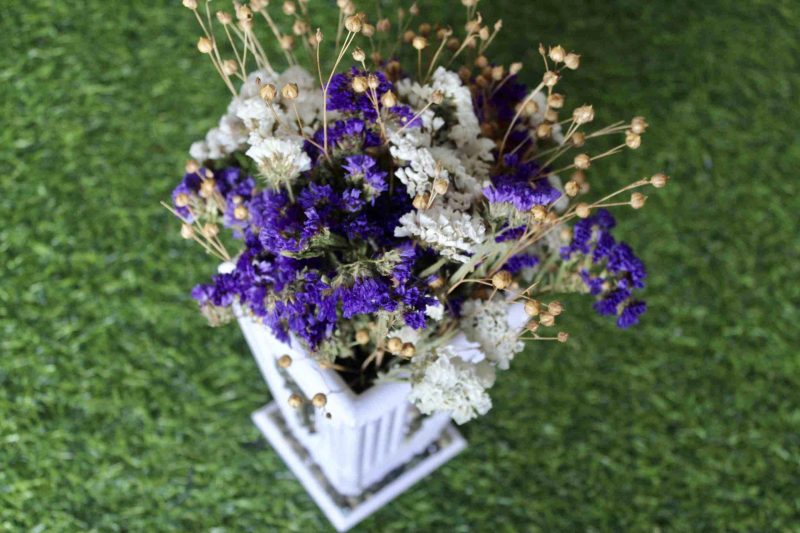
(122, 411)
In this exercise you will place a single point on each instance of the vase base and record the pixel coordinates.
(345, 512)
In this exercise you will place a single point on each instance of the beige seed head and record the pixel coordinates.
(243, 13)
(353, 24)
(240, 212)
(204, 45)
(362, 337)
(557, 53)
(207, 187)
(578, 139)
(550, 78)
(532, 307)
(408, 350)
(555, 100)
(319, 400)
(659, 180)
(544, 130)
(547, 320)
(285, 361)
(501, 279)
(394, 345)
(420, 201)
(190, 4)
(498, 73)
(551, 115)
(295, 401)
(515, 68)
(289, 8)
(373, 82)
(268, 92)
(632, 140)
(484, 34)
(638, 125)
(192, 166)
(419, 42)
(224, 18)
(359, 84)
(583, 210)
(290, 91)
(563, 336)
(572, 61)
(571, 188)
(300, 27)
(555, 308)
(582, 161)
(539, 212)
(388, 99)
(229, 67)
(187, 232)
(181, 200)
(286, 42)
(359, 55)
(637, 200)
(436, 283)
(532, 326)
(414, 9)
(583, 114)
(384, 25)
(440, 186)
(437, 97)
(408, 36)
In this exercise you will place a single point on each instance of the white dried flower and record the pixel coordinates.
(279, 160)
(487, 323)
(454, 234)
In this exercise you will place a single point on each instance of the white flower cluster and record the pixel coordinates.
(270, 131)
(453, 233)
(444, 381)
(487, 323)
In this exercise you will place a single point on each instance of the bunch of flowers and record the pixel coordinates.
(382, 206)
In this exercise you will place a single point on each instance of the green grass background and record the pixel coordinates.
(120, 410)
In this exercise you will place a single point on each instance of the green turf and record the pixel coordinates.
(120, 410)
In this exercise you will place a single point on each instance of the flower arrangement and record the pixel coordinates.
(379, 207)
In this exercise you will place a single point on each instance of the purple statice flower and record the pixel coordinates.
(190, 186)
(415, 301)
(364, 168)
(367, 295)
(618, 269)
(510, 234)
(518, 186)
(520, 262)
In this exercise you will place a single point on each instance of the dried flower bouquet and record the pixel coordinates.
(411, 190)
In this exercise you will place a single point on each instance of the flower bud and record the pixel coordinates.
(571, 188)
(583, 114)
(210, 230)
(285, 361)
(539, 212)
(578, 139)
(532, 326)
(551, 115)
(498, 73)
(204, 45)
(582, 161)
(440, 186)
(572, 61)
(550, 78)
(300, 27)
(224, 18)
(659, 180)
(388, 99)
(362, 337)
(290, 91)
(532, 307)
(563, 336)
(637, 200)
(419, 42)
(190, 4)
(544, 130)
(240, 212)
(555, 308)
(243, 13)
(632, 140)
(583, 210)
(501, 279)
(638, 125)
(289, 8)
(268, 92)
(187, 232)
(408, 350)
(515, 68)
(555, 100)
(547, 320)
(359, 84)
(557, 54)
(359, 55)
(286, 42)
(394, 345)
(484, 34)
(295, 401)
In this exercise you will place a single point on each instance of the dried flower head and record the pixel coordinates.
(319, 400)
(290, 91)
(659, 180)
(557, 53)
(637, 200)
(572, 61)
(583, 114)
